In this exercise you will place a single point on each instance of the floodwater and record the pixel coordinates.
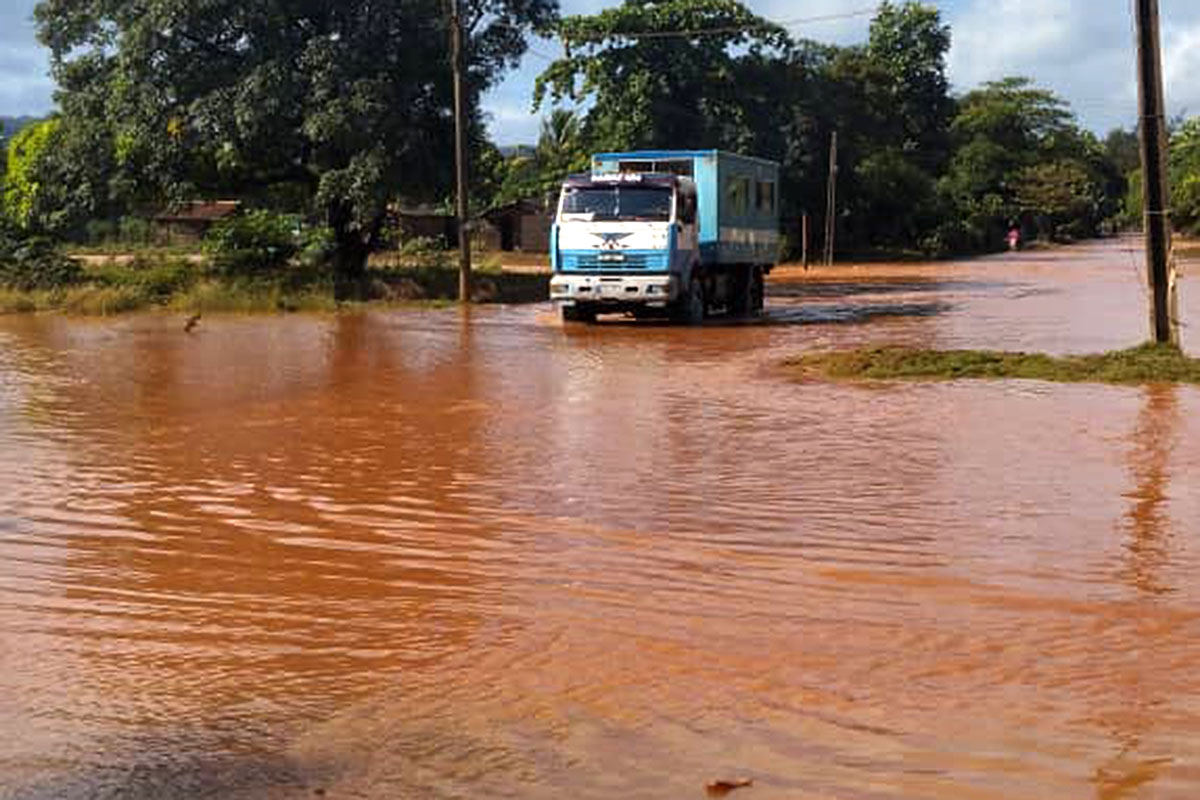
(429, 554)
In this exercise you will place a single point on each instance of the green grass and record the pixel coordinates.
(15, 301)
(1149, 363)
(167, 282)
(211, 296)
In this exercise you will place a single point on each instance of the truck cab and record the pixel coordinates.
(622, 242)
(643, 233)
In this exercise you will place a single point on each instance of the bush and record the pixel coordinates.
(135, 231)
(30, 262)
(316, 246)
(252, 243)
(156, 279)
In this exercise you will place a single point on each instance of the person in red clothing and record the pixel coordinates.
(1014, 238)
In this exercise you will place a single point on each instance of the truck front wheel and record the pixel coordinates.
(692, 306)
(578, 313)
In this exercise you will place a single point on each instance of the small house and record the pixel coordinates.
(189, 222)
(523, 225)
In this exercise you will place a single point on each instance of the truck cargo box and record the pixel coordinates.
(738, 199)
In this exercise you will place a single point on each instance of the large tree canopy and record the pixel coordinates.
(667, 73)
(349, 101)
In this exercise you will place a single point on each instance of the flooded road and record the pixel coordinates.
(431, 554)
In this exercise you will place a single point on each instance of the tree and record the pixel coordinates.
(908, 45)
(1002, 130)
(349, 100)
(537, 172)
(1184, 164)
(1122, 148)
(23, 191)
(661, 74)
(1062, 195)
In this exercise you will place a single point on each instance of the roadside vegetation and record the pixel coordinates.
(1149, 363)
(254, 263)
(322, 135)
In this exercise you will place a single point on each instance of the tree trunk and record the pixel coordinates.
(351, 249)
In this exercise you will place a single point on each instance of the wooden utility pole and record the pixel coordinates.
(460, 154)
(804, 239)
(831, 201)
(1164, 317)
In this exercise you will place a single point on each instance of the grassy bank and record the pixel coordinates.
(184, 284)
(1145, 364)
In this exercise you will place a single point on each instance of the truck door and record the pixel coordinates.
(686, 230)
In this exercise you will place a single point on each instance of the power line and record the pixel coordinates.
(763, 25)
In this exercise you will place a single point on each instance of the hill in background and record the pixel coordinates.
(10, 125)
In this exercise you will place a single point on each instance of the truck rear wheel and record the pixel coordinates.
(755, 290)
(742, 302)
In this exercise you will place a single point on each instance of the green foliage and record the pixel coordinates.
(1149, 363)
(562, 149)
(23, 188)
(315, 246)
(347, 100)
(1123, 150)
(1020, 157)
(156, 279)
(260, 296)
(1062, 193)
(1185, 176)
(661, 90)
(29, 263)
(908, 46)
(251, 243)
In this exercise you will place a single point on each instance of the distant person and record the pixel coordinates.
(1014, 238)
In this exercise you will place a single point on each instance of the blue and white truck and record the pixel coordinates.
(679, 233)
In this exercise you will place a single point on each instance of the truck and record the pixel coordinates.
(675, 233)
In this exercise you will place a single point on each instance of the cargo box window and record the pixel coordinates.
(737, 191)
(765, 200)
(682, 166)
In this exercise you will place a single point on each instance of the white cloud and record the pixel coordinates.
(1181, 68)
(1081, 49)
(25, 84)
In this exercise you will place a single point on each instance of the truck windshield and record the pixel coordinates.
(639, 203)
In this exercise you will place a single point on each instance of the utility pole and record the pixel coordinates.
(804, 239)
(460, 153)
(831, 201)
(1164, 311)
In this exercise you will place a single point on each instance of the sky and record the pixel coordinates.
(1081, 49)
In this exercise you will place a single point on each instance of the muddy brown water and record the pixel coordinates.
(431, 554)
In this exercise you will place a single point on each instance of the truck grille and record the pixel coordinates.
(606, 261)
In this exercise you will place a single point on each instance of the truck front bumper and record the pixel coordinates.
(614, 290)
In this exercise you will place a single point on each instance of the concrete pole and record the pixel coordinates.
(1164, 316)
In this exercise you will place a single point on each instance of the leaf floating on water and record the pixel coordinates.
(722, 788)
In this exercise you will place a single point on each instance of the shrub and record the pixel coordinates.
(155, 278)
(316, 245)
(102, 301)
(252, 243)
(135, 231)
(30, 262)
(100, 232)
